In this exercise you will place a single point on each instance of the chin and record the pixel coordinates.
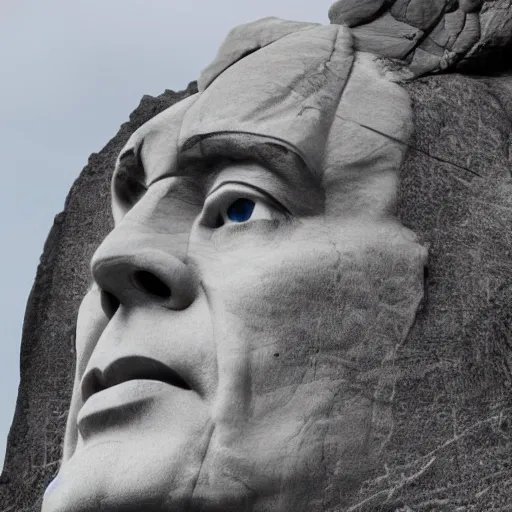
(126, 475)
(123, 476)
(83, 486)
(150, 470)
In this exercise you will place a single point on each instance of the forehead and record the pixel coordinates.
(327, 108)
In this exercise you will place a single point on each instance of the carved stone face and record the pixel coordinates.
(236, 350)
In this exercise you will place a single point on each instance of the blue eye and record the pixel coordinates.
(241, 210)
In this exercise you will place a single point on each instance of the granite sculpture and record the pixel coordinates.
(257, 335)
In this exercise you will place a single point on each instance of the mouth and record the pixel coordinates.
(127, 369)
(123, 392)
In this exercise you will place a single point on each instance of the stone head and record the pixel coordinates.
(236, 349)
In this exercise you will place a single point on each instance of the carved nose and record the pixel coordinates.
(135, 274)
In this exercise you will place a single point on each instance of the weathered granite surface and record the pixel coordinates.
(451, 446)
(47, 348)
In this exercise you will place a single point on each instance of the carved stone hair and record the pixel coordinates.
(430, 36)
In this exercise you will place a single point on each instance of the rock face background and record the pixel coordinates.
(451, 448)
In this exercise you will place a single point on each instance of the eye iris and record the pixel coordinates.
(241, 210)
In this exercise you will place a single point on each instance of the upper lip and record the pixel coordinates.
(129, 368)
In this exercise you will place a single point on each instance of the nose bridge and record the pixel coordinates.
(140, 267)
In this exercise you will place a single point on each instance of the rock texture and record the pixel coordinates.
(431, 36)
(451, 447)
(47, 349)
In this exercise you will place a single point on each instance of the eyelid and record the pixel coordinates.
(253, 189)
(219, 196)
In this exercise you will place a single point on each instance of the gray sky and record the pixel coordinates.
(72, 72)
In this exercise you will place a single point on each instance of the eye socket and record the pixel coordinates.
(240, 210)
(234, 203)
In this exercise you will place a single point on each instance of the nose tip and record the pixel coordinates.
(144, 275)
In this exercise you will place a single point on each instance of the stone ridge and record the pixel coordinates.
(47, 346)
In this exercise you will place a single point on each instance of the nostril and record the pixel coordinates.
(151, 284)
(109, 303)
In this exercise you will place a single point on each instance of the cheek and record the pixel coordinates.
(308, 303)
(287, 304)
(309, 327)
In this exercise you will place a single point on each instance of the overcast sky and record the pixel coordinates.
(72, 72)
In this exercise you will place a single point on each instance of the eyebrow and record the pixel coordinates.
(210, 150)
(206, 155)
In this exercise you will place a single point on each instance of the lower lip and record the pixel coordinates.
(118, 405)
